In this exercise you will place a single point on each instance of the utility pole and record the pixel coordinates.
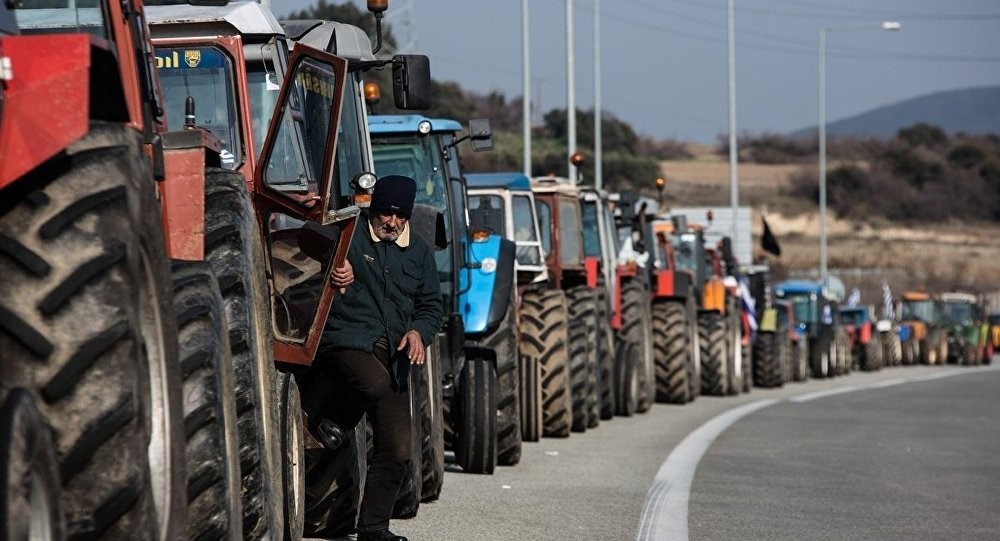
(570, 92)
(598, 142)
(526, 88)
(734, 184)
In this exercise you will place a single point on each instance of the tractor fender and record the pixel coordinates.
(45, 100)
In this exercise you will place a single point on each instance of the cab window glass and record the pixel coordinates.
(570, 238)
(545, 224)
(524, 231)
(204, 74)
(61, 17)
(591, 235)
(263, 86)
(350, 145)
(300, 261)
(296, 160)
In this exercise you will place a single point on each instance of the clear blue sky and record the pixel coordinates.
(664, 61)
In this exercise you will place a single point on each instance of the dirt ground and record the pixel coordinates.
(938, 257)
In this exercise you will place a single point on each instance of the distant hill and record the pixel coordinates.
(970, 110)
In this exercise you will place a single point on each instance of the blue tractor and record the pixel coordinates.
(474, 359)
(818, 318)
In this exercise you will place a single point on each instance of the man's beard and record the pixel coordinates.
(386, 232)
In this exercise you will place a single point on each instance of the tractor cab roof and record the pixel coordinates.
(508, 180)
(409, 124)
(554, 184)
(791, 288)
(239, 18)
(344, 40)
(967, 298)
(916, 296)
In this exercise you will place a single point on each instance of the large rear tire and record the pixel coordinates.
(544, 336)
(213, 468)
(605, 356)
(871, 355)
(768, 371)
(334, 480)
(428, 390)
(504, 342)
(475, 417)
(582, 353)
(409, 496)
(637, 327)
(627, 360)
(87, 328)
(670, 351)
(800, 360)
(233, 248)
(29, 473)
(714, 351)
(293, 460)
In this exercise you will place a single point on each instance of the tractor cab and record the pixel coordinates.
(503, 204)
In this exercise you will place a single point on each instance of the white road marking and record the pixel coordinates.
(828, 392)
(665, 513)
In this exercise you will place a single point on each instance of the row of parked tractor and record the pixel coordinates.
(177, 184)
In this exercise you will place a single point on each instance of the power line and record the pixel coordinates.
(848, 13)
(803, 47)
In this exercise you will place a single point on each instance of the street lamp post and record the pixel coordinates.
(885, 25)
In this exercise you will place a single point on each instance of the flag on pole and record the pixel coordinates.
(768, 242)
(748, 305)
(854, 299)
(887, 310)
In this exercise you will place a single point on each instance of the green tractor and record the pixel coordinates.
(963, 321)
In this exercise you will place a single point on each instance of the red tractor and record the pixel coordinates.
(121, 416)
(567, 304)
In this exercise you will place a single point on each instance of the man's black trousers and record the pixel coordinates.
(362, 384)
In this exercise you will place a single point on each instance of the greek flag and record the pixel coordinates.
(887, 310)
(854, 299)
(748, 305)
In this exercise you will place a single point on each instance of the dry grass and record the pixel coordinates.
(935, 256)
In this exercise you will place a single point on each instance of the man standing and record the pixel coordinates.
(380, 322)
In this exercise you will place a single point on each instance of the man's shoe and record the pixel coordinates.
(380, 535)
(327, 433)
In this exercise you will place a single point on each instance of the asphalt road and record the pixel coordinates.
(905, 453)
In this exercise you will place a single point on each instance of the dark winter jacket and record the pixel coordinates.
(396, 288)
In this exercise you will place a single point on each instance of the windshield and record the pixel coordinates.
(853, 317)
(417, 158)
(920, 310)
(204, 74)
(591, 236)
(60, 17)
(486, 212)
(957, 312)
(803, 309)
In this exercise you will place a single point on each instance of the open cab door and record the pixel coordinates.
(304, 238)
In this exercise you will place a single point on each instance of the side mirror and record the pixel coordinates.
(480, 134)
(411, 81)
